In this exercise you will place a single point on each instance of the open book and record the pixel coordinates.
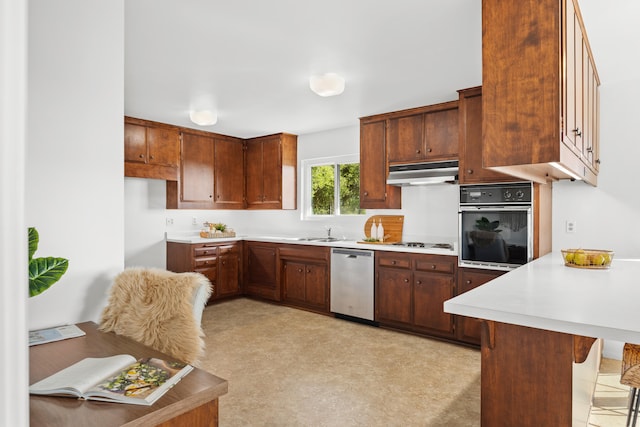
(119, 378)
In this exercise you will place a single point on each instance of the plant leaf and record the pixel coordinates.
(34, 238)
(44, 272)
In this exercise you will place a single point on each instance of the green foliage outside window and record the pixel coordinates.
(323, 189)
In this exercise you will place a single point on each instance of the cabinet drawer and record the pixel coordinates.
(394, 261)
(205, 262)
(440, 265)
(228, 250)
(204, 251)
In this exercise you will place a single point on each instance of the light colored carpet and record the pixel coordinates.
(288, 367)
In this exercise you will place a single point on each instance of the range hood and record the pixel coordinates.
(423, 173)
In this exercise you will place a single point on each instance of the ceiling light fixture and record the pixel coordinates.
(329, 84)
(203, 117)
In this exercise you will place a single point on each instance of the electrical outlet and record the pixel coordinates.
(194, 220)
(169, 221)
(570, 226)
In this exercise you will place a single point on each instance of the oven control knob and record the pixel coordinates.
(507, 195)
(519, 194)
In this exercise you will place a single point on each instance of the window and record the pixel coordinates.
(331, 186)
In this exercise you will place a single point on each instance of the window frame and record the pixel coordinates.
(334, 161)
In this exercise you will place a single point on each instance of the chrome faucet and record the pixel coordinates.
(328, 231)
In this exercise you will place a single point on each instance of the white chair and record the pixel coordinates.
(160, 309)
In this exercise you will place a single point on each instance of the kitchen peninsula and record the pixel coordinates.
(539, 320)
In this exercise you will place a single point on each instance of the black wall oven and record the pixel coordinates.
(495, 225)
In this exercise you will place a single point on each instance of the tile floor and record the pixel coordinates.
(611, 398)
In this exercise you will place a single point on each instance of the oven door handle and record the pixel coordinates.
(494, 208)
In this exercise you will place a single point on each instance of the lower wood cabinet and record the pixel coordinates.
(261, 270)
(468, 328)
(219, 262)
(411, 290)
(305, 276)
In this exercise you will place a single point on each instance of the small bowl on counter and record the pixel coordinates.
(587, 258)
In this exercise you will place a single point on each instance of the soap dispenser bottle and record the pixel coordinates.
(380, 232)
(373, 234)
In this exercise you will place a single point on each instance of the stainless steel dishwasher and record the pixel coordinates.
(352, 283)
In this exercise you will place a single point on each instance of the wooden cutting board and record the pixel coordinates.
(392, 227)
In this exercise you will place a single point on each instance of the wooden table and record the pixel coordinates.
(191, 402)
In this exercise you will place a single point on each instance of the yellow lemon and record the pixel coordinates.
(568, 257)
(598, 259)
(580, 258)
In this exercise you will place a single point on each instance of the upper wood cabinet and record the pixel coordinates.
(271, 172)
(423, 134)
(470, 122)
(211, 173)
(374, 191)
(228, 173)
(540, 91)
(151, 150)
(195, 187)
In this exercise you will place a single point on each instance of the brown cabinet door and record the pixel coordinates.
(228, 272)
(164, 146)
(441, 135)
(393, 295)
(429, 294)
(135, 143)
(468, 328)
(261, 271)
(374, 191)
(294, 282)
(196, 173)
(229, 174)
(316, 285)
(272, 173)
(254, 172)
(470, 137)
(406, 138)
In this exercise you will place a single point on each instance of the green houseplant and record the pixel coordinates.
(43, 272)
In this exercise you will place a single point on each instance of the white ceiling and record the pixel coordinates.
(250, 60)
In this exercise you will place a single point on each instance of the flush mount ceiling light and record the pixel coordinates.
(329, 84)
(203, 117)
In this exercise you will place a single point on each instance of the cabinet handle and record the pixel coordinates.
(309, 271)
(577, 131)
(406, 280)
(598, 161)
(419, 282)
(433, 267)
(469, 171)
(366, 193)
(468, 282)
(151, 157)
(210, 196)
(417, 151)
(141, 156)
(299, 270)
(393, 262)
(589, 149)
(224, 262)
(428, 150)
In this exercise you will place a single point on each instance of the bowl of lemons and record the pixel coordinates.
(587, 258)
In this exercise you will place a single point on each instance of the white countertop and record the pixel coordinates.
(545, 294)
(352, 244)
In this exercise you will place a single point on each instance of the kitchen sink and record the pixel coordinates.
(319, 239)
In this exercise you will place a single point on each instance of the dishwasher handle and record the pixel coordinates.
(352, 253)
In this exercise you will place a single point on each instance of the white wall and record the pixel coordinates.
(14, 366)
(74, 175)
(430, 212)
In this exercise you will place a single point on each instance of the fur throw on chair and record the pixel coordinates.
(155, 308)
